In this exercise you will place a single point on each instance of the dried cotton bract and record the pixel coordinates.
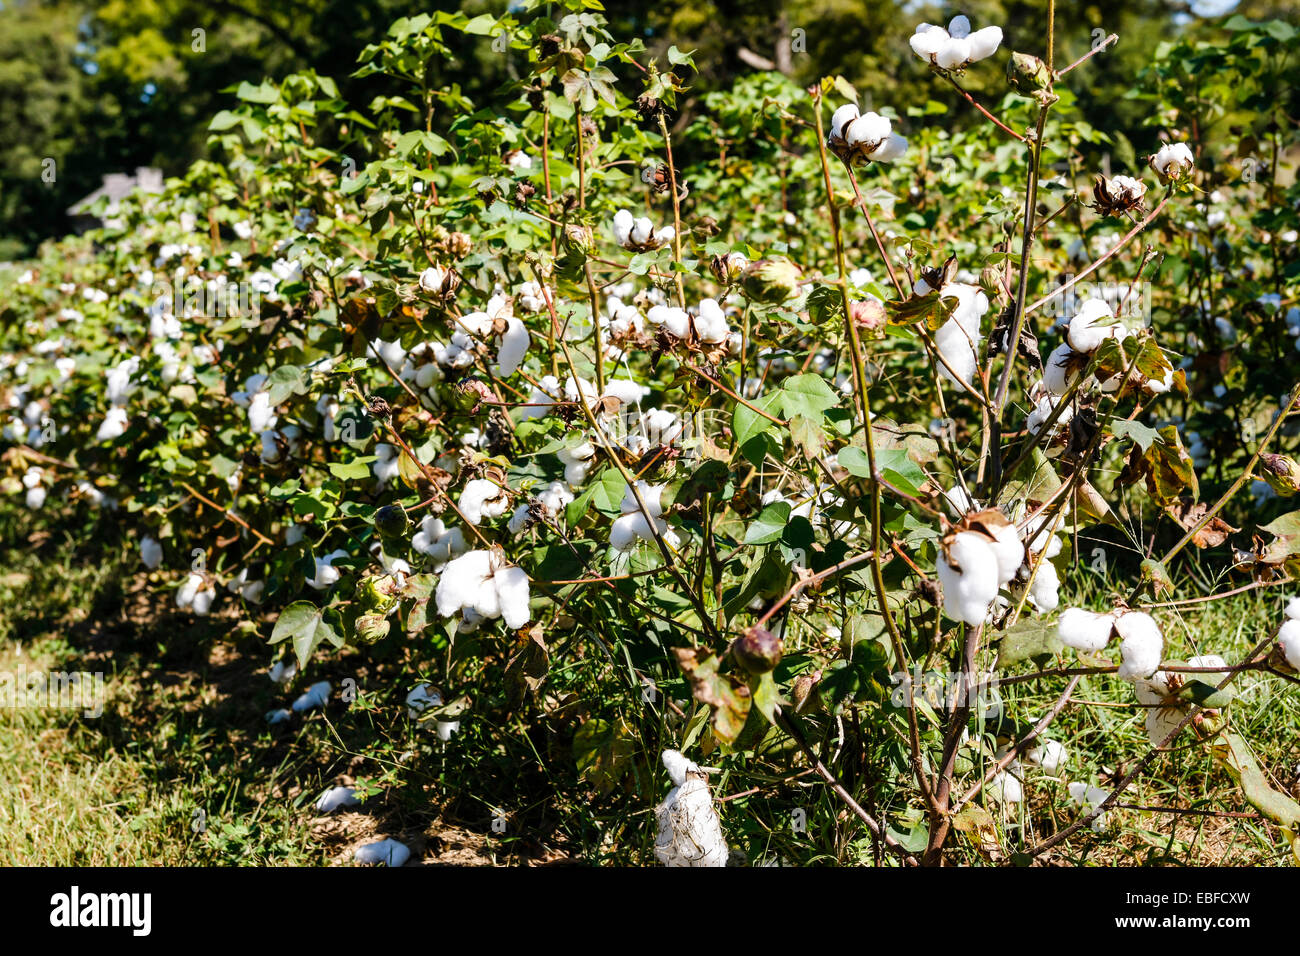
(690, 833)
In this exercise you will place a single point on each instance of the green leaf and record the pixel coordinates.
(283, 382)
(769, 525)
(1142, 435)
(1028, 639)
(355, 470)
(807, 395)
(747, 423)
(304, 624)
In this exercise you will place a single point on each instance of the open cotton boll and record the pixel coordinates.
(512, 346)
(1172, 160)
(482, 498)
(1084, 630)
(387, 851)
(317, 695)
(675, 320)
(335, 798)
(622, 227)
(386, 464)
(1010, 552)
(1092, 324)
(628, 529)
(626, 391)
(421, 699)
(261, 415)
(1007, 786)
(690, 833)
(1045, 589)
(711, 323)
(960, 500)
(151, 552)
(1057, 373)
(1090, 797)
(483, 582)
(1050, 755)
(113, 425)
(279, 716)
(326, 574)
(968, 575)
(842, 117)
(1142, 646)
(283, 671)
(650, 495)
(1288, 639)
(1293, 609)
(577, 462)
(866, 129)
(438, 541)
(958, 338)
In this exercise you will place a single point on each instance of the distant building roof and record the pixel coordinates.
(116, 187)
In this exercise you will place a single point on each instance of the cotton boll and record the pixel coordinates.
(280, 716)
(113, 425)
(438, 541)
(386, 463)
(690, 833)
(1057, 375)
(968, 575)
(336, 798)
(627, 529)
(626, 391)
(622, 227)
(388, 852)
(482, 498)
(711, 324)
(650, 495)
(926, 42)
(960, 500)
(1090, 797)
(317, 695)
(283, 671)
(1006, 787)
(326, 574)
(512, 347)
(1141, 647)
(261, 416)
(481, 581)
(954, 54)
(203, 600)
(842, 117)
(151, 552)
(1288, 639)
(959, 337)
(1293, 608)
(675, 320)
(1050, 755)
(1010, 552)
(1091, 325)
(868, 130)
(1085, 630)
(421, 699)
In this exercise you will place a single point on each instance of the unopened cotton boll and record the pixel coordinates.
(1288, 639)
(1084, 630)
(1142, 646)
(336, 798)
(317, 695)
(968, 574)
(387, 851)
(690, 833)
(151, 552)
